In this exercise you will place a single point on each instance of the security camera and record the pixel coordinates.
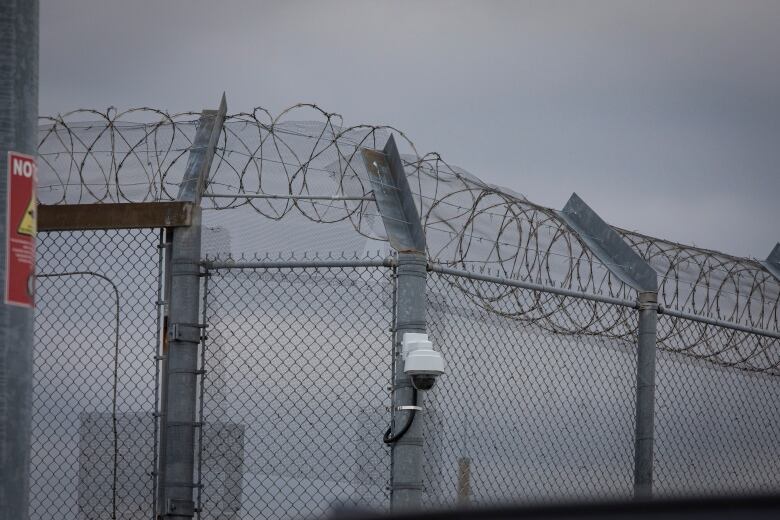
(421, 363)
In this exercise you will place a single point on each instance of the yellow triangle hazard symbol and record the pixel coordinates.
(28, 225)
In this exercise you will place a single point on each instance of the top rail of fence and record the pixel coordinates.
(298, 264)
(717, 323)
(602, 299)
(534, 286)
(390, 262)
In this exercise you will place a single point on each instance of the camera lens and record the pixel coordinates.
(423, 381)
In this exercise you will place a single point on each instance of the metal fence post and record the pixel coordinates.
(18, 133)
(179, 388)
(395, 202)
(645, 395)
(181, 367)
(406, 482)
(622, 261)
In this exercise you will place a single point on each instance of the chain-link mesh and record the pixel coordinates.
(716, 426)
(537, 402)
(297, 367)
(526, 412)
(96, 337)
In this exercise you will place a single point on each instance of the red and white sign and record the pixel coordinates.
(20, 230)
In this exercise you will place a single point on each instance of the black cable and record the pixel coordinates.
(388, 437)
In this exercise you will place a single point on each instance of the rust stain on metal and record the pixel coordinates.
(375, 158)
(73, 217)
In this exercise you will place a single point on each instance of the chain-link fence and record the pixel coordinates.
(527, 411)
(297, 367)
(537, 403)
(538, 400)
(716, 426)
(548, 390)
(96, 338)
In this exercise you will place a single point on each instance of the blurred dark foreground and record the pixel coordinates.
(759, 507)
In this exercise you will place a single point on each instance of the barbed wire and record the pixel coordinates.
(572, 316)
(138, 155)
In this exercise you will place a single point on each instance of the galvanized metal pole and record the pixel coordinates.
(395, 202)
(181, 371)
(18, 133)
(645, 395)
(180, 380)
(622, 261)
(406, 482)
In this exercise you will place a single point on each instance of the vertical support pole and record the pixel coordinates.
(18, 133)
(645, 395)
(181, 371)
(395, 202)
(180, 375)
(623, 262)
(406, 481)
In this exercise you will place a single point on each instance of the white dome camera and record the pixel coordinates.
(421, 363)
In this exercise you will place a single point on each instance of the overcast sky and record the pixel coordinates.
(663, 115)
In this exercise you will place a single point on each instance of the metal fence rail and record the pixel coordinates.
(96, 337)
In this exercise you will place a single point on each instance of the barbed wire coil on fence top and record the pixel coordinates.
(304, 161)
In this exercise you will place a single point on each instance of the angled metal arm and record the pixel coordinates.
(772, 262)
(608, 246)
(394, 198)
(202, 153)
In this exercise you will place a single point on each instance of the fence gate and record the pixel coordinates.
(296, 366)
(95, 378)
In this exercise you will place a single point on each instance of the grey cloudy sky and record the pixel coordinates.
(663, 115)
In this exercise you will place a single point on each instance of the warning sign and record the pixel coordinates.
(20, 230)
(27, 225)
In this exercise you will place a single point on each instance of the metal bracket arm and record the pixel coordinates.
(187, 332)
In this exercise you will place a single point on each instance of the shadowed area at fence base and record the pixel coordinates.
(753, 507)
